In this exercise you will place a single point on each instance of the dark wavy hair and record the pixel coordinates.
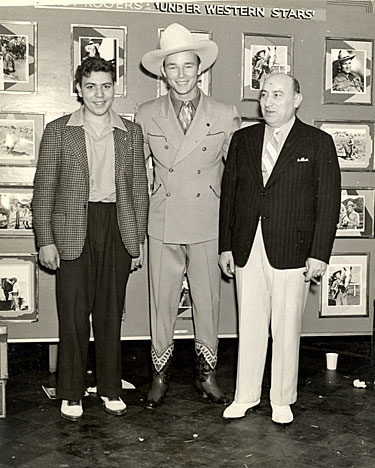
(92, 64)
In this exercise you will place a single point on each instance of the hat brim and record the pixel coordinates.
(351, 57)
(206, 50)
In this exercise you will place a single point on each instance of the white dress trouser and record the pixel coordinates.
(266, 295)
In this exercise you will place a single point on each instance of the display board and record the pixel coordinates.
(42, 45)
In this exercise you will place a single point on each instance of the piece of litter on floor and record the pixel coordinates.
(195, 435)
(359, 383)
(320, 396)
(250, 455)
(315, 427)
(141, 439)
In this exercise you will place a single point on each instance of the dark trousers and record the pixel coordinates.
(93, 283)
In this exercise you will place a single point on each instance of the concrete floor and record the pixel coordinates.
(334, 422)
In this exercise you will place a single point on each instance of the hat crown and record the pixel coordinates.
(345, 55)
(176, 36)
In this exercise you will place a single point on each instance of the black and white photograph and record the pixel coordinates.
(18, 277)
(353, 141)
(344, 288)
(20, 136)
(356, 213)
(204, 80)
(348, 71)
(109, 43)
(18, 52)
(15, 211)
(261, 57)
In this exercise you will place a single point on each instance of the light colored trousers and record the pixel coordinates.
(167, 264)
(266, 295)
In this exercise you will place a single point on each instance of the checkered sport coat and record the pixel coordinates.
(61, 188)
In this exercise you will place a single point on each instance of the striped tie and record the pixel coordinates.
(185, 116)
(270, 155)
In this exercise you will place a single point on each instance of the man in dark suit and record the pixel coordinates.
(90, 208)
(280, 204)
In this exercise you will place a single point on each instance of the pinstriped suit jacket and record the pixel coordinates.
(61, 188)
(298, 207)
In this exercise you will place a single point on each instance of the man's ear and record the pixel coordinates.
(162, 71)
(297, 100)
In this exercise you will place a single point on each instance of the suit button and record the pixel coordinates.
(167, 194)
(204, 148)
(263, 194)
(198, 195)
(166, 147)
(170, 169)
(198, 171)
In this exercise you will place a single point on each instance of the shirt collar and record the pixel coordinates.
(284, 129)
(176, 103)
(77, 119)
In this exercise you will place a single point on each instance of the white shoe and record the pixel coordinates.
(71, 409)
(238, 410)
(281, 414)
(114, 406)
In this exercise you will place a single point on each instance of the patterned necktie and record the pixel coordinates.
(185, 116)
(270, 155)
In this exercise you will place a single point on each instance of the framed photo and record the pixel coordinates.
(15, 211)
(249, 121)
(354, 143)
(18, 53)
(356, 213)
(262, 56)
(107, 42)
(348, 71)
(20, 136)
(18, 288)
(344, 290)
(204, 81)
(17, 175)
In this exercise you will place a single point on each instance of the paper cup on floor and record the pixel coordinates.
(331, 360)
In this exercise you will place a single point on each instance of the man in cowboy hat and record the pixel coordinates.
(346, 80)
(187, 135)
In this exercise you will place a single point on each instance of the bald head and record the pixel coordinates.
(279, 99)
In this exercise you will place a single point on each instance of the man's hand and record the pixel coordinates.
(137, 262)
(314, 270)
(226, 263)
(49, 257)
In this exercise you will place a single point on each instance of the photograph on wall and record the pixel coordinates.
(344, 290)
(204, 80)
(348, 71)
(354, 142)
(18, 288)
(18, 56)
(20, 136)
(15, 211)
(106, 42)
(184, 321)
(261, 57)
(356, 213)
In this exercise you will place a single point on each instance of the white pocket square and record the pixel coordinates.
(302, 159)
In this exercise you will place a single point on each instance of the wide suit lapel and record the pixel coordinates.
(293, 145)
(167, 122)
(76, 138)
(254, 141)
(203, 121)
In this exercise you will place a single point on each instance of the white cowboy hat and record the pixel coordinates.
(344, 55)
(176, 38)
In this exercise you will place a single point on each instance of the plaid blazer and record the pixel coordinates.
(299, 206)
(61, 188)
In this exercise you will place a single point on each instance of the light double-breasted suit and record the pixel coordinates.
(271, 230)
(184, 210)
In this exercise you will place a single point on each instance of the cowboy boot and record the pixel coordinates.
(205, 379)
(161, 368)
